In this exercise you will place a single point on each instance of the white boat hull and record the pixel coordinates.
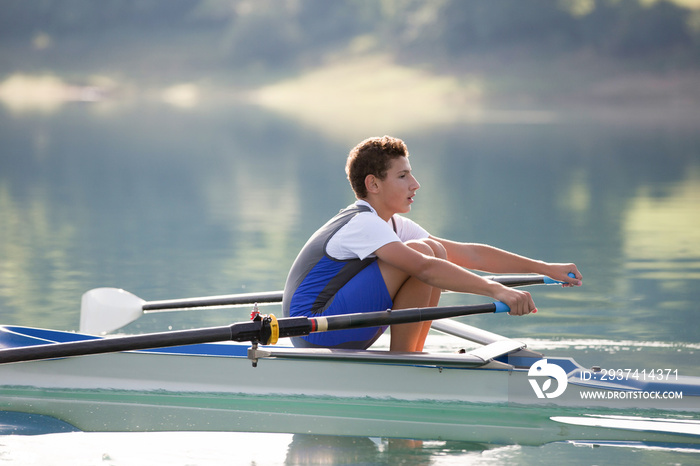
(438, 396)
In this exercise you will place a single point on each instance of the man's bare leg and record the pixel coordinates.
(409, 292)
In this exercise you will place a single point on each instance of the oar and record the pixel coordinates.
(525, 280)
(265, 330)
(104, 310)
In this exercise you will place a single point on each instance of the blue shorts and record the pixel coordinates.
(365, 292)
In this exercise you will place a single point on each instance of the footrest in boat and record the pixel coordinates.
(493, 350)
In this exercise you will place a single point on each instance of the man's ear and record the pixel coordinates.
(371, 184)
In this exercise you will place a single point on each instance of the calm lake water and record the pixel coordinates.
(170, 203)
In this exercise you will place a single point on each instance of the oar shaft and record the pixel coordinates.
(211, 301)
(111, 345)
(403, 316)
(255, 331)
(521, 280)
(276, 296)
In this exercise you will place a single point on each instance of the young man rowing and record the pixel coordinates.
(368, 258)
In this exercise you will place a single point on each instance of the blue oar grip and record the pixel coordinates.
(501, 307)
(551, 281)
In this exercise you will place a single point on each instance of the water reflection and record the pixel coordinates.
(219, 448)
(170, 204)
(555, 191)
(658, 225)
(45, 94)
(329, 449)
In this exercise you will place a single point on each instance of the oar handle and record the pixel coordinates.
(524, 280)
(501, 307)
(551, 281)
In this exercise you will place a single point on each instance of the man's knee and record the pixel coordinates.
(429, 247)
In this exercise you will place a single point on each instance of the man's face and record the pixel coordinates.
(399, 186)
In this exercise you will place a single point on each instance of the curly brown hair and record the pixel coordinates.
(372, 157)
